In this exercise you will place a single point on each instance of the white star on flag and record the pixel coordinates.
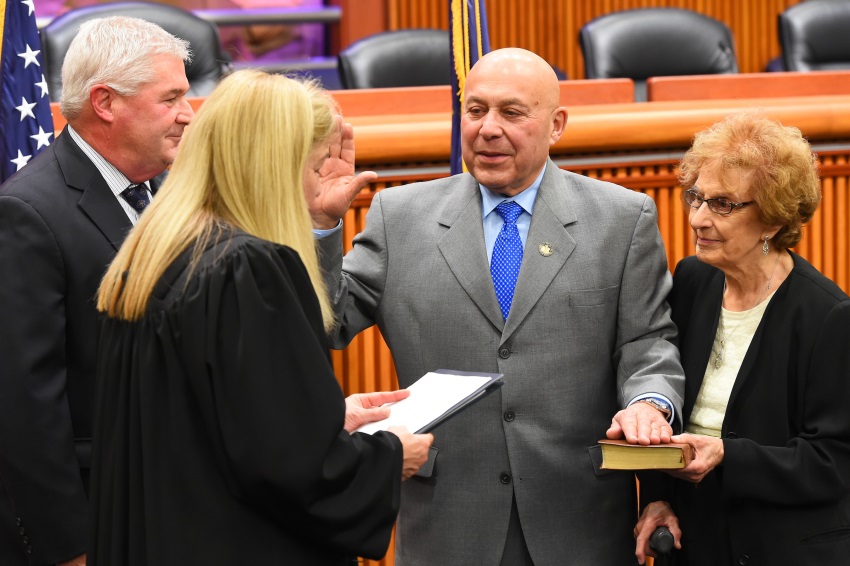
(43, 86)
(30, 57)
(25, 109)
(42, 137)
(21, 160)
(22, 138)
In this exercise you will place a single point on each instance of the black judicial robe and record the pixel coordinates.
(219, 425)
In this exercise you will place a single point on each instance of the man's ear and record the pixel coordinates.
(559, 122)
(102, 99)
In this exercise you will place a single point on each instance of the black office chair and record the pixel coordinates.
(656, 42)
(209, 63)
(815, 36)
(409, 57)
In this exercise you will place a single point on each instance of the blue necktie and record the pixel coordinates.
(507, 256)
(137, 197)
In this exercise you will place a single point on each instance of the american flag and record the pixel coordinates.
(25, 120)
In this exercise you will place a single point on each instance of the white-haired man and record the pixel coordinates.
(62, 218)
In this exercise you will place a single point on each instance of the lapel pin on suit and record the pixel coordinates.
(546, 249)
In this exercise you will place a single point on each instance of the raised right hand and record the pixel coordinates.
(415, 449)
(338, 184)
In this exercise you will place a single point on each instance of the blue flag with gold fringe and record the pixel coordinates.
(25, 119)
(470, 41)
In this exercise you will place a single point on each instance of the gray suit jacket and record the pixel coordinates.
(589, 330)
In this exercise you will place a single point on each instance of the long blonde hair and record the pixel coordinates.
(241, 162)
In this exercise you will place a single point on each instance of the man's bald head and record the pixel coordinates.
(511, 116)
(515, 65)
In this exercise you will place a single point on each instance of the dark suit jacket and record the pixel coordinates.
(782, 494)
(60, 226)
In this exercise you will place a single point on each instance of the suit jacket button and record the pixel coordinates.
(509, 416)
(25, 540)
(733, 435)
(29, 549)
(504, 353)
(18, 521)
(743, 560)
(505, 478)
(21, 531)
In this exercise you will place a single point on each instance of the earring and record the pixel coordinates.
(764, 248)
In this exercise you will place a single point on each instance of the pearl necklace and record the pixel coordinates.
(718, 353)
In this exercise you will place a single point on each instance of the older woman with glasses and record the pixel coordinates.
(765, 344)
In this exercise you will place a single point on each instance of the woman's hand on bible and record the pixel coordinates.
(708, 454)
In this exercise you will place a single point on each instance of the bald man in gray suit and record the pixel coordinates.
(584, 337)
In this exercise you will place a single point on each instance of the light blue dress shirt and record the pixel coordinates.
(493, 222)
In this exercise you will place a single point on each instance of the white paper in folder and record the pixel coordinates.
(435, 397)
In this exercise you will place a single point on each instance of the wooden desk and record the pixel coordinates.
(748, 85)
(398, 138)
(436, 99)
(415, 101)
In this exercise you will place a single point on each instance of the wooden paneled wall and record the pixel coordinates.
(550, 27)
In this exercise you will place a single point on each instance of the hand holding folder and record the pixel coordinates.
(434, 398)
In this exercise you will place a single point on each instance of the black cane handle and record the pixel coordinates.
(661, 541)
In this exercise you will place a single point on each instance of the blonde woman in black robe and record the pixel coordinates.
(221, 434)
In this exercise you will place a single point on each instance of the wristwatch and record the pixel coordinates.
(658, 404)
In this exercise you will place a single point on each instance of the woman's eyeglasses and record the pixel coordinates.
(717, 205)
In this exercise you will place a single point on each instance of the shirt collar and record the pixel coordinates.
(490, 200)
(116, 180)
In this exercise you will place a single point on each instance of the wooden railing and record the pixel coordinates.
(747, 85)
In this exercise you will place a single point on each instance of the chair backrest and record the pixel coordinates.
(409, 57)
(208, 60)
(815, 36)
(655, 42)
